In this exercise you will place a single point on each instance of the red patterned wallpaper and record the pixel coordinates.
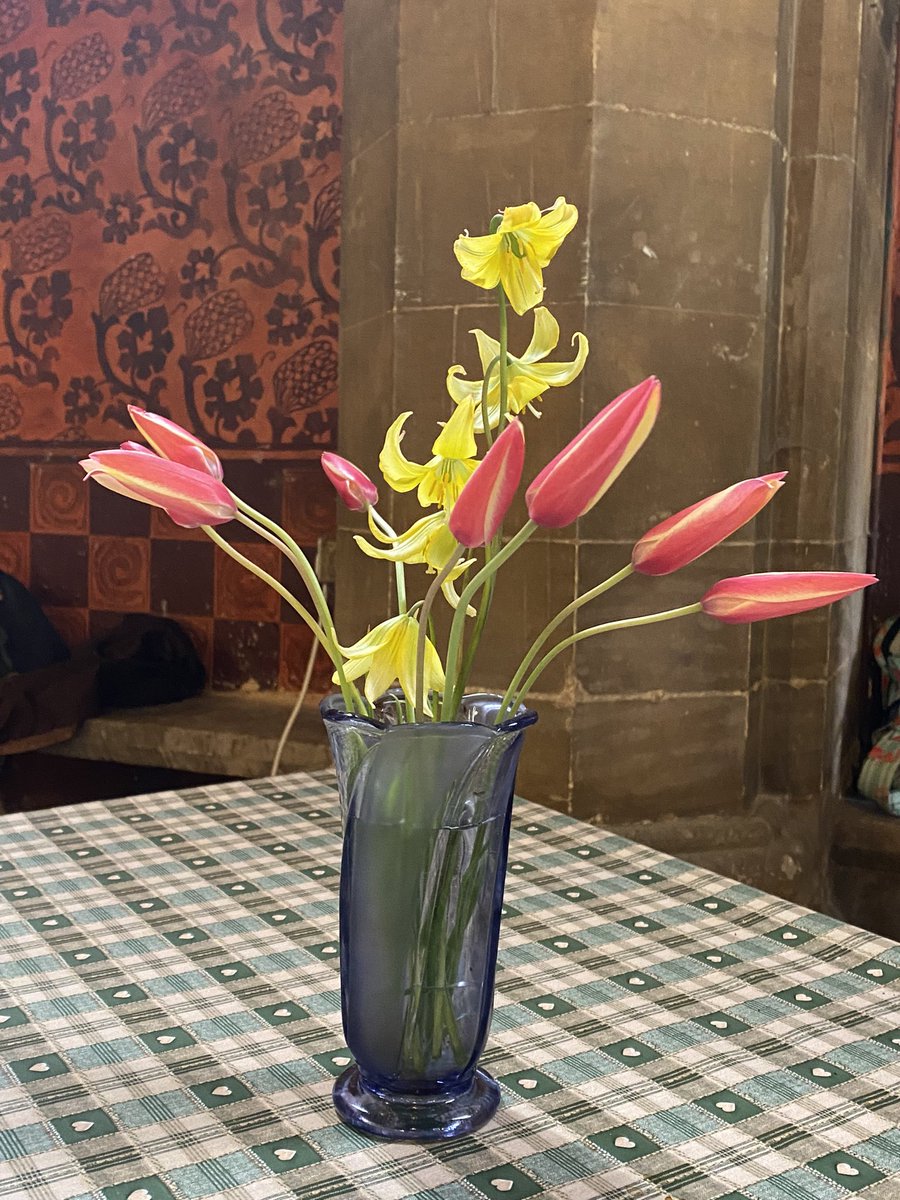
(169, 215)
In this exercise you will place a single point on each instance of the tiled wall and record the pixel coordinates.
(169, 222)
(728, 161)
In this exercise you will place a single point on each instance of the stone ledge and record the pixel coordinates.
(218, 733)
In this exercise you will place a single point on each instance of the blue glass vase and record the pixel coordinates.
(426, 810)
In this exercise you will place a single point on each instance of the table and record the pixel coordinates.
(170, 1019)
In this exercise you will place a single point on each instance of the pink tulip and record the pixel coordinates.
(683, 537)
(746, 598)
(191, 498)
(174, 443)
(353, 486)
(485, 499)
(580, 474)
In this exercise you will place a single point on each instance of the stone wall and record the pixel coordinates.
(729, 163)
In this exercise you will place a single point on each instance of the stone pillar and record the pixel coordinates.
(728, 161)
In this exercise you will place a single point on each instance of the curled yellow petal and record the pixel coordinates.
(399, 473)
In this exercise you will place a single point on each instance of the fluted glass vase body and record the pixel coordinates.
(426, 811)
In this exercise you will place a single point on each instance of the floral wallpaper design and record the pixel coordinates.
(169, 212)
(169, 217)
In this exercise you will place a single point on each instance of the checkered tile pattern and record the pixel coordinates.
(170, 1019)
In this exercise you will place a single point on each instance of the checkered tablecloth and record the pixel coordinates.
(170, 1019)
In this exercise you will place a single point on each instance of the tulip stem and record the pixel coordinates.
(609, 626)
(273, 583)
(545, 633)
(399, 572)
(424, 618)
(272, 532)
(484, 608)
(454, 644)
(485, 388)
(503, 355)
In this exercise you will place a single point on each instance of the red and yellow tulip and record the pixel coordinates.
(745, 598)
(190, 497)
(354, 487)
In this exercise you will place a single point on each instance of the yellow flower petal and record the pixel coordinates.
(457, 438)
(479, 258)
(399, 473)
(544, 338)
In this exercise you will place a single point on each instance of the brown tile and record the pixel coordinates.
(432, 83)
(368, 230)
(689, 654)
(117, 516)
(423, 352)
(120, 574)
(680, 57)
(245, 654)
(59, 569)
(817, 247)
(70, 623)
(239, 594)
(560, 36)
(59, 498)
(454, 175)
(792, 742)
(308, 504)
(371, 52)
(181, 578)
(657, 244)
(296, 644)
(707, 432)
(825, 77)
(632, 759)
(532, 587)
(258, 483)
(544, 766)
(14, 492)
(367, 381)
(101, 624)
(15, 555)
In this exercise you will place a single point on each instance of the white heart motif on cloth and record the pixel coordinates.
(573, 895)
(279, 917)
(584, 853)
(122, 994)
(714, 958)
(282, 1012)
(197, 862)
(845, 1168)
(146, 904)
(329, 949)
(284, 1154)
(546, 1005)
(82, 955)
(631, 1052)
(502, 1185)
(221, 1091)
(229, 971)
(165, 1039)
(40, 1067)
(185, 937)
(20, 892)
(528, 1084)
(875, 972)
(726, 1105)
(711, 904)
(560, 945)
(719, 1024)
(140, 1194)
(114, 878)
(645, 877)
(803, 997)
(318, 871)
(239, 887)
(624, 1143)
(341, 1060)
(82, 1126)
(789, 936)
(51, 921)
(821, 1073)
(640, 924)
(279, 848)
(4, 1017)
(636, 981)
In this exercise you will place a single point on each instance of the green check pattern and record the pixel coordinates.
(170, 1019)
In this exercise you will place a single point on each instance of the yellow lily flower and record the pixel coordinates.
(428, 541)
(388, 652)
(529, 377)
(441, 479)
(524, 243)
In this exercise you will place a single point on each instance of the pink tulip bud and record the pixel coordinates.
(174, 443)
(746, 598)
(683, 537)
(580, 474)
(353, 486)
(190, 497)
(488, 492)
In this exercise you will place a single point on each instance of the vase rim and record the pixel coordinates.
(332, 708)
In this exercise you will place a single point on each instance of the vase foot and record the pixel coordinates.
(415, 1118)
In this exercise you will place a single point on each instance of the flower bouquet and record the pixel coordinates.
(426, 767)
